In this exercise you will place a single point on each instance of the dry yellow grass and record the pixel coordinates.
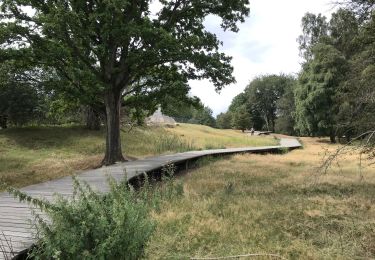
(205, 137)
(33, 155)
(271, 204)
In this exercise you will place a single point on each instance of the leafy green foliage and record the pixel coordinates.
(203, 117)
(314, 28)
(343, 28)
(316, 105)
(190, 111)
(91, 225)
(261, 102)
(19, 103)
(108, 50)
(286, 106)
(358, 91)
(241, 118)
(181, 110)
(335, 91)
(363, 9)
(224, 120)
(263, 94)
(20, 100)
(27, 96)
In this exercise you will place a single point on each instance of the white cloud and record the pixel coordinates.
(265, 44)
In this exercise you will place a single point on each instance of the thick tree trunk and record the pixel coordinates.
(332, 137)
(113, 152)
(92, 119)
(3, 121)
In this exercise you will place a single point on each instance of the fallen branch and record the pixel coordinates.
(365, 148)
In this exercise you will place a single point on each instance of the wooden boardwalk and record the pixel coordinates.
(15, 217)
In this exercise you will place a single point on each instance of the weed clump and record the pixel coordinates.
(92, 225)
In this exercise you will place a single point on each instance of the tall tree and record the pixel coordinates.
(261, 100)
(328, 99)
(241, 118)
(240, 101)
(203, 116)
(316, 103)
(357, 96)
(314, 28)
(286, 107)
(115, 45)
(263, 94)
(224, 120)
(343, 31)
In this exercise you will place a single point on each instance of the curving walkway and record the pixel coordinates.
(15, 216)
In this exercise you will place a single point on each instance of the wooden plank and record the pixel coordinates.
(18, 234)
(16, 226)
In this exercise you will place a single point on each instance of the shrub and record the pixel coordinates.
(92, 225)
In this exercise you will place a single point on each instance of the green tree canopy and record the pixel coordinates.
(335, 82)
(110, 49)
(224, 120)
(261, 100)
(21, 98)
(241, 118)
(316, 105)
(314, 28)
(285, 121)
(263, 94)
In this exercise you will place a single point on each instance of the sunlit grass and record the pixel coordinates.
(35, 154)
(208, 138)
(271, 204)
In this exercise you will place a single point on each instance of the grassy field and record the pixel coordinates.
(208, 138)
(32, 155)
(270, 204)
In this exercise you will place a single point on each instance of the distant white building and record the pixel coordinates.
(159, 119)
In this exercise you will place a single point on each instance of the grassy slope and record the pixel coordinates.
(32, 155)
(207, 137)
(270, 204)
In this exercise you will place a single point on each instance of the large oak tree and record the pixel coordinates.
(120, 46)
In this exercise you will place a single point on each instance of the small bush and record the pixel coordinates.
(284, 150)
(91, 225)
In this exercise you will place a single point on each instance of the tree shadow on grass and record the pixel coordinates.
(48, 137)
(12, 163)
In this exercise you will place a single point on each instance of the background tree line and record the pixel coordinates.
(26, 102)
(333, 94)
(267, 103)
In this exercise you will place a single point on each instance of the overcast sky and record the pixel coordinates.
(265, 44)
